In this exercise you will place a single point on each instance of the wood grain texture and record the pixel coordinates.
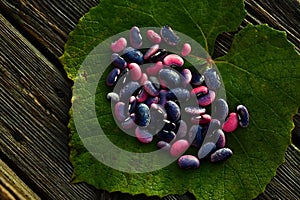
(35, 95)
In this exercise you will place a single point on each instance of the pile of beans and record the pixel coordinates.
(153, 99)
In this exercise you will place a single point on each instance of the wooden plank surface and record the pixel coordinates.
(35, 95)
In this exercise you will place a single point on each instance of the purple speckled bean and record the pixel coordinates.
(221, 138)
(162, 97)
(231, 123)
(173, 59)
(119, 45)
(143, 135)
(206, 149)
(120, 111)
(186, 49)
(132, 104)
(112, 77)
(173, 111)
(187, 75)
(169, 36)
(243, 115)
(201, 119)
(135, 71)
(212, 79)
(179, 147)
(193, 110)
(167, 136)
(188, 162)
(129, 89)
(154, 69)
(118, 61)
(151, 100)
(150, 88)
(199, 91)
(142, 96)
(221, 155)
(135, 37)
(207, 99)
(220, 110)
(151, 51)
(180, 94)
(158, 110)
(153, 36)
(168, 77)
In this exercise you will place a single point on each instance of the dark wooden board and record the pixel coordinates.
(35, 95)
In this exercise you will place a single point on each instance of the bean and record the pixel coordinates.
(143, 135)
(179, 147)
(162, 97)
(187, 76)
(197, 79)
(201, 119)
(151, 100)
(150, 88)
(120, 111)
(119, 45)
(154, 69)
(113, 97)
(151, 51)
(207, 99)
(135, 71)
(142, 115)
(221, 141)
(142, 96)
(173, 59)
(169, 36)
(129, 122)
(163, 145)
(158, 56)
(214, 124)
(220, 110)
(118, 61)
(212, 79)
(169, 126)
(199, 91)
(135, 37)
(143, 78)
(221, 155)
(128, 90)
(169, 77)
(173, 111)
(182, 130)
(132, 104)
(231, 123)
(186, 49)
(188, 162)
(167, 136)
(153, 36)
(243, 115)
(179, 94)
(133, 55)
(206, 149)
(195, 135)
(158, 112)
(112, 77)
(193, 110)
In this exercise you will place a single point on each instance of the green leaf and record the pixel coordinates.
(261, 71)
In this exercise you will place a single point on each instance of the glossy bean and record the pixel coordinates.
(212, 79)
(154, 69)
(113, 97)
(179, 147)
(186, 49)
(132, 104)
(142, 96)
(182, 130)
(221, 140)
(207, 99)
(197, 79)
(195, 135)
(153, 36)
(151, 100)
(243, 115)
(158, 56)
(188, 162)
(167, 136)
(169, 126)
(119, 45)
(169, 36)
(158, 112)
(136, 39)
(173, 59)
(112, 77)
(231, 123)
(118, 61)
(142, 115)
(120, 111)
(143, 135)
(194, 110)
(221, 155)
(162, 97)
(135, 71)
(199, 91)
(220, 110)
(129, 122)
(214, 124)
(151, 51)
(201, 119)
(206, 149)
(163, 145)
(133, 55)
(173, 111)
